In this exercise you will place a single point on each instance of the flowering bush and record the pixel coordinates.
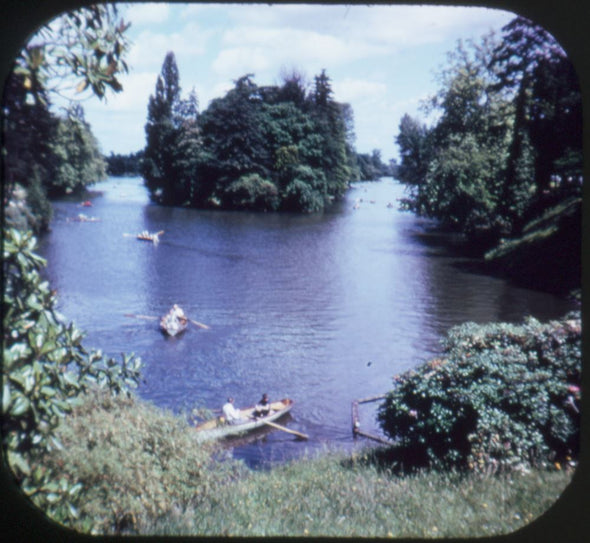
(501, 396)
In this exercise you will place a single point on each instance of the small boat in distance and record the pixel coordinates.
(174, 322)
(83, 218)
(218, 428)
(147, 236)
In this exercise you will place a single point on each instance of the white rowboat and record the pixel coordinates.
(218, 428)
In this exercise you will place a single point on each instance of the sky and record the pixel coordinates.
(382, 60)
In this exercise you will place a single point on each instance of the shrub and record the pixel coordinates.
(501, 396)
(301, 196)
(45, 371)
(133, 460)
(252, 192)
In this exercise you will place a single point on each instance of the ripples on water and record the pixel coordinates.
(324, 308)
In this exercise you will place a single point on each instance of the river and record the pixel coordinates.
(323, 308)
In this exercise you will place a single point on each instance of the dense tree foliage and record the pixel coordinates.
(265, 148)
(77, 158)
(44, 153)
(169, 164)
(28, 158)
(124, 164)
(370, 166)
(507, 141)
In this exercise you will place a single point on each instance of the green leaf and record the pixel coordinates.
(18, 460)
(21, 405)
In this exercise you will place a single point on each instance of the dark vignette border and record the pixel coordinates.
(568, 21)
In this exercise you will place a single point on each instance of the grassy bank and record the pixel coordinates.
(143, 473)
(330, 497)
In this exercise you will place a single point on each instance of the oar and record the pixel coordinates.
(148, 317)
(151, 318)
(284, 428)
(199, 324)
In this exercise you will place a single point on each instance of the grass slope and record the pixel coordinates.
(143, 473)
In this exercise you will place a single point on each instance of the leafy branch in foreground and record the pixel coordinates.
(82, 49)
(44, 373)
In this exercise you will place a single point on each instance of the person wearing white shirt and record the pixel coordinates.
(231, 413)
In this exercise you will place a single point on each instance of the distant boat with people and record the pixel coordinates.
(147, 236)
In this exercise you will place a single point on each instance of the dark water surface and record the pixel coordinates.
(324, 309)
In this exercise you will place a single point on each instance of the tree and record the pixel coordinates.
(293, 89)
(547, 122)
(28, 159)
(256, 147)
(170, 163)
(45, 368)
(454, 170)
(233, 129)
(121, 165)
(415, 151)
(78, 160)
(332, 129)
(79, 53)
(500, 397)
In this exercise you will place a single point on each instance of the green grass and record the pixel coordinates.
(143, 473)
(327, 497)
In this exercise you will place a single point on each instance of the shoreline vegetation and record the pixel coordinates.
(144, 474)
(495, 419)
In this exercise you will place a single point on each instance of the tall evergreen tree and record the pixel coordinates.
(334, 157)
(168, 120)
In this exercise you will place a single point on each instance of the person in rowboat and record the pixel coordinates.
(231, 413)
(178, 313)
(262, 408)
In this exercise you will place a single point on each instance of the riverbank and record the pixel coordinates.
(553, 239)
(142, 473)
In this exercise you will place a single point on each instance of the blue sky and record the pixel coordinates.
(381, 59)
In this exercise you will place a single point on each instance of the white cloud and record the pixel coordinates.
(264, 49)
(137, 89)
(147, 13)
(150, 48)
(349, 90)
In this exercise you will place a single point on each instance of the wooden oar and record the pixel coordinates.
(284, 428)
(199, 324)
(151, 318)
(148, 317)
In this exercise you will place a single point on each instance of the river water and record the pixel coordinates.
(324, 309)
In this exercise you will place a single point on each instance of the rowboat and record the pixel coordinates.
(218, 428)
(173, 325)
(147, 236)
(83, 218)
